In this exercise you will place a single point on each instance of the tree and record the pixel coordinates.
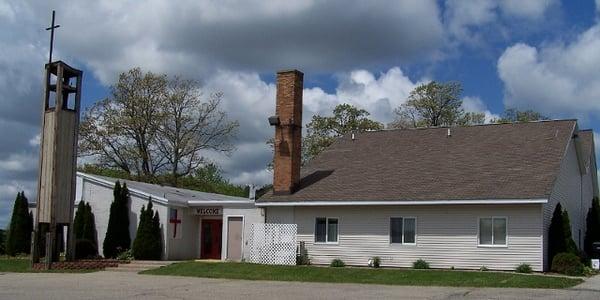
(321, 132)
(592, 233)
(18, 238)
(571, 246)
(2, 242)
(84, 227)
(152, 124)
(147, 244)
(559, 234)
(117, 237)
(191, 126)
(512, 115)
(435, 104)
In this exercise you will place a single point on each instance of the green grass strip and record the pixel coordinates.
(364, 275)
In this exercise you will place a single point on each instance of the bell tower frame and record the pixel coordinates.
(58, 162)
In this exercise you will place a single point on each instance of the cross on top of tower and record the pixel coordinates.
(51, 28)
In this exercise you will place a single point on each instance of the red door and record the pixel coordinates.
(211, 239)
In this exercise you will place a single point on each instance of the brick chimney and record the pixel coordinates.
(288, 132)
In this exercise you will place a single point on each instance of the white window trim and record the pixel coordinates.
(326, 242)
(480, 245)
(390, 231)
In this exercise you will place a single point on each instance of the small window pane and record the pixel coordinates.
(332, 230)
(485, 231)
(396, 230)
(500, 231)
(320, 230)
(409, 231)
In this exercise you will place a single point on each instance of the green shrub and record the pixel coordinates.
(592, 232)
(483, 269)
(337, 263)
(85, 249)
(568, 264)
(125, 255)
(302, 257)
(375, 262)
(524, 268)
(148, 239)
(18, 236)
(117, 237)
(420, 264)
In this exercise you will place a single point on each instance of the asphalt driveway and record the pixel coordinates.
(119, 285)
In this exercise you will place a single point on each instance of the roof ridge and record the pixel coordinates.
(475, 125)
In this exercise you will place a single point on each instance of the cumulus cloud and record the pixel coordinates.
(251, 100)
(475, 104)
(560, 79)
(467, 20)
(198, 37)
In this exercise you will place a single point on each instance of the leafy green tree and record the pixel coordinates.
(435, 104)
(19, 231)
(592, 233)
(154, 125)
(321, 132)
(513, 115)
(117, 237)
(147, 244)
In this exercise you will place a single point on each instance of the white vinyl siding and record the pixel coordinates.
(446, 235)
(574, 191)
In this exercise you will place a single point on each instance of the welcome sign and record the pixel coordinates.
(207, 211)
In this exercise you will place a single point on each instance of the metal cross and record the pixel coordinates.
(51, 28)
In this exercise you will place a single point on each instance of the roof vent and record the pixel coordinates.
(449, 133)
(353, 136)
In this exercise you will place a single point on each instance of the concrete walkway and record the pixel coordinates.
(118, 285)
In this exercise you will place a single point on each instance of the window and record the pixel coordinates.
(492, 231)
(326, 230)
(403, 231)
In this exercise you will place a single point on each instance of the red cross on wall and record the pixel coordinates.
(174, 220)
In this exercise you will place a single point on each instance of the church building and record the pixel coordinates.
(195, 225)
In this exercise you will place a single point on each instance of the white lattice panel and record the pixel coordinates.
(273, 244)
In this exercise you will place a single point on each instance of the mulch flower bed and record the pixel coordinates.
(84, 264)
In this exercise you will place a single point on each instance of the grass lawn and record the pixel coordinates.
(21, 265)
(363, 275)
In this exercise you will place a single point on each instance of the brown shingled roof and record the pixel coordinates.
(500, 161)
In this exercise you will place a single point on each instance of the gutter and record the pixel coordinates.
(424, 202)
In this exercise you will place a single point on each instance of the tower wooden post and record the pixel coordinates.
(58, 161)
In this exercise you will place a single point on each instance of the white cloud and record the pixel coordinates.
(18, 162)
(251, 100)
(195, 38)
(467, 21)
(35, 141)
(531, 9)
(560, 79)
(475, 104)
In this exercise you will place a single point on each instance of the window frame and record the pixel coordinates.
(326, 242)
(492, 245)
(403, 228)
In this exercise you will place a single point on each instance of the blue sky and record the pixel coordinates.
(537, 54)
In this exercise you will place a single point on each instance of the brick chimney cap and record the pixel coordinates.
(289, 71)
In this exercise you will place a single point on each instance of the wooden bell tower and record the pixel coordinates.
(58, 161)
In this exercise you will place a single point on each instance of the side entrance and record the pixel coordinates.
(210, 247)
